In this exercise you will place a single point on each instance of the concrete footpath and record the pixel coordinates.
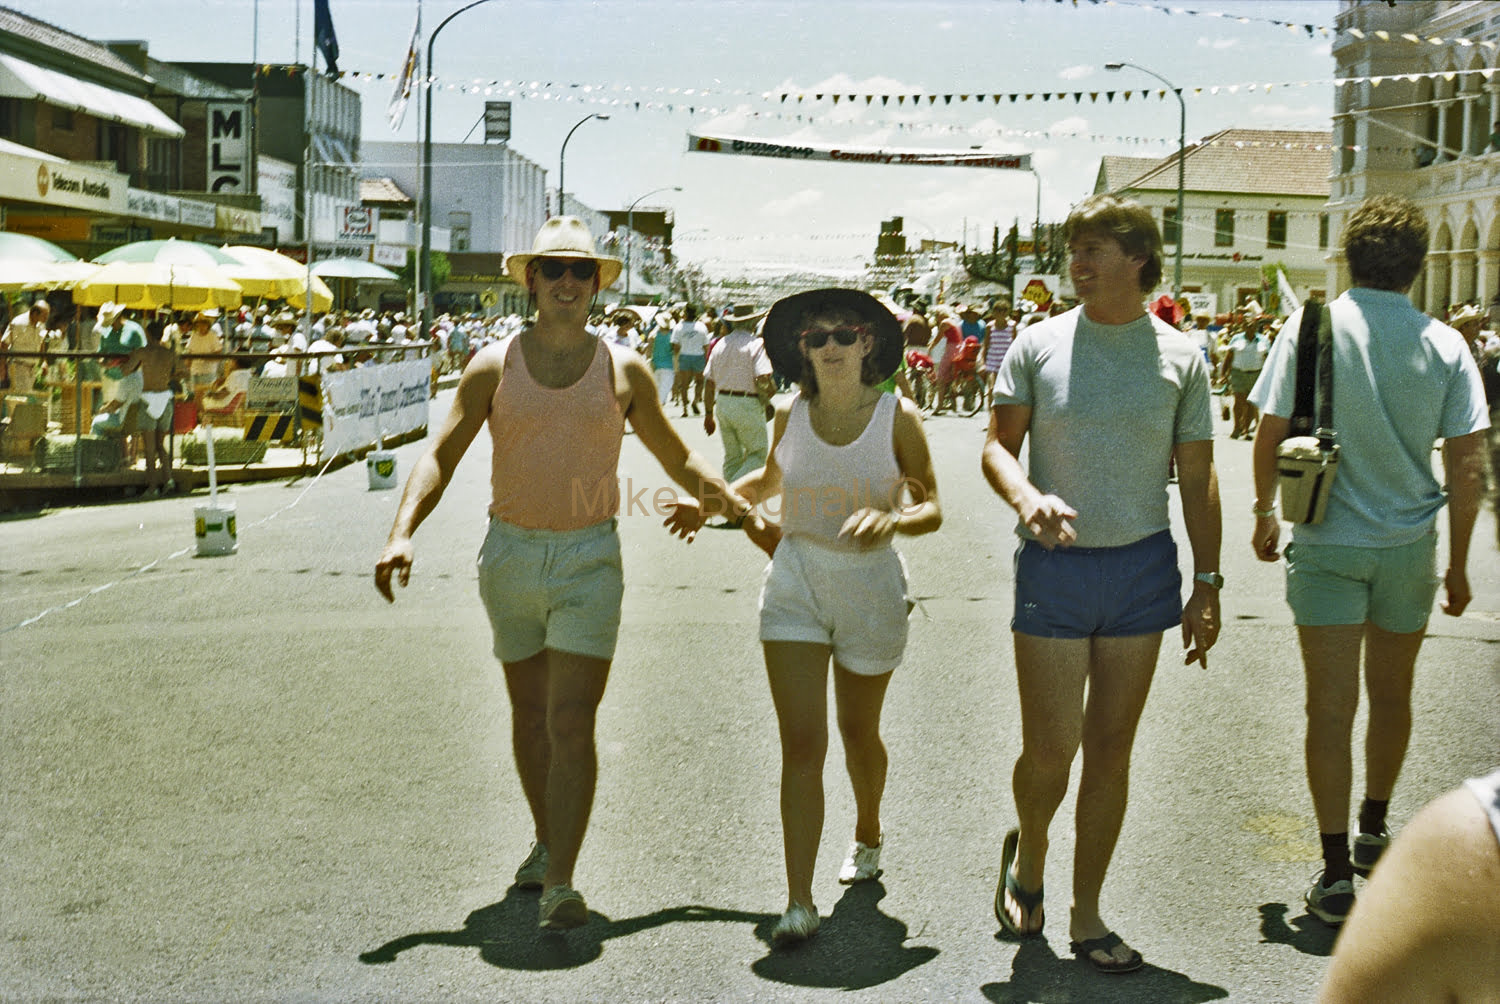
(248, 778)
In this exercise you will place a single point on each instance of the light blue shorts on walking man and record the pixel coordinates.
(1390, 587)
(556, 589)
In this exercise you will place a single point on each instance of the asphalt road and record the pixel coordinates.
(247, 778)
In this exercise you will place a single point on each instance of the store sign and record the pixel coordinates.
(390, 255)
(197, 214)
(276, 394)
(357, 223)
(151, 205)
(233, 220)
(59, 183)
(277, 187)
(496, 121)
(228, 147)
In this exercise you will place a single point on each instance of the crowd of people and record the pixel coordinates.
(1110, 403)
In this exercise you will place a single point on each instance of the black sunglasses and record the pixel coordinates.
(818, 337)
(553, 268)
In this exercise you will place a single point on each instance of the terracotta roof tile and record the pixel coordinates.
(381, 190)
(1249, 161)
(33, 32)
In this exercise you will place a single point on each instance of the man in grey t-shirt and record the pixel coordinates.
(1108, 395)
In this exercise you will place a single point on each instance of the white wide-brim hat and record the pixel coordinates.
(564, 237)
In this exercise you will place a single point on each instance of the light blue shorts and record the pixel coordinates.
(853, 601)
(557, 589)
(691, 364)
(1109, 592)
(1391, 587)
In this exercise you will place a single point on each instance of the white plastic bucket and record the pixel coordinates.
(214, 527)
(381, 466)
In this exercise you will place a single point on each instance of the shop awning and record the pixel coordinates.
(20, 79)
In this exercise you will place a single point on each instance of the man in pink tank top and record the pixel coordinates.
(549, 572)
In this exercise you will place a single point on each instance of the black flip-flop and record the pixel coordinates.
(1027, 901)
(1107, 943)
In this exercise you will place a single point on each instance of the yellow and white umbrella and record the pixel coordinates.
(290, 276)
(147, 285)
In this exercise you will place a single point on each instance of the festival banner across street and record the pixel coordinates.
(362, 405)
(847, 155)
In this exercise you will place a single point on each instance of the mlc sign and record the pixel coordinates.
(228, 147)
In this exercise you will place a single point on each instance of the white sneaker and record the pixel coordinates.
(862, 864)
(795, 926)
(533, 869)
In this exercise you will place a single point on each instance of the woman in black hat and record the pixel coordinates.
(851, 465)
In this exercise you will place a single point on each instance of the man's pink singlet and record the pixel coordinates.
(557, 450)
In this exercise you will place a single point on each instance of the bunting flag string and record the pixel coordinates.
(699, 97)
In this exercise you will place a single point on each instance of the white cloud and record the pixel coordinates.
(1076, 72)
(796, 202)
(1074, 125)
(1218, 43)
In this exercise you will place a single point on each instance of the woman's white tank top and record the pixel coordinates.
(822, 485)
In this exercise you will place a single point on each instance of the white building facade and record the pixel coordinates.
(486, 196)
(1416, 118)
(1251, 197)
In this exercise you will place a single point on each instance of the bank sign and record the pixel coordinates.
(228, 147)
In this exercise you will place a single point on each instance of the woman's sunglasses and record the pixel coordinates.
(553, 268)
(818, 337)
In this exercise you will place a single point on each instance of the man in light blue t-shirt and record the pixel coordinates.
(1367, 574)
(1108, 396)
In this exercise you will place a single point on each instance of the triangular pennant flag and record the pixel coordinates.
(947, 99)
(885, 99)
(1078, 97)
(901, 99)
(1093, 97)
(1110, 96)
(836, 99)
(932, 99)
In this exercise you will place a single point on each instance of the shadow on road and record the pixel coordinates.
(1038, 975)
(1310, 937)
(507, 936)
(856, 947)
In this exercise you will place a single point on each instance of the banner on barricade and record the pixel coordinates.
(363, 405)
(272, 394)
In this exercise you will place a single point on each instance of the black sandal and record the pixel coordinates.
(1027, 901)
(1107, 944)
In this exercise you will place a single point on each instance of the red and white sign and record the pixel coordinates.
(357, 223)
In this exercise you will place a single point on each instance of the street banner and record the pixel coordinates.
(381, 400)
(847, 155)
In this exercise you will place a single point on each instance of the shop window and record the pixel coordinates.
(10, 118)
(1276, 229)
(62, 119)
(1322, 230)
(1223, 228)
(1170, 229)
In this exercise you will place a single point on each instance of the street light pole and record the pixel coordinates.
(424, 255)
(1036, 228)
(630, 230)
(563, 154)
(1181, 166)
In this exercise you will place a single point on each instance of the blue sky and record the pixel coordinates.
(719, 57)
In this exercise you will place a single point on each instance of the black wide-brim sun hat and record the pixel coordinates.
(789, 316)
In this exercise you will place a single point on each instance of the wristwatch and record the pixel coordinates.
(1210, 579)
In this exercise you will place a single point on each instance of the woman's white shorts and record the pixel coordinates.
(854, 601)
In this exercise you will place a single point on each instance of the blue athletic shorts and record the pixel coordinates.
(557, 589)
(1111, 592)
(1391, 587)
(691, 364)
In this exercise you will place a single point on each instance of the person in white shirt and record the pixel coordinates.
(737, 385)
(690, 350)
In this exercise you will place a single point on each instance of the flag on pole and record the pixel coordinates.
(324, 38)
(395, 112)
(1289, 301)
